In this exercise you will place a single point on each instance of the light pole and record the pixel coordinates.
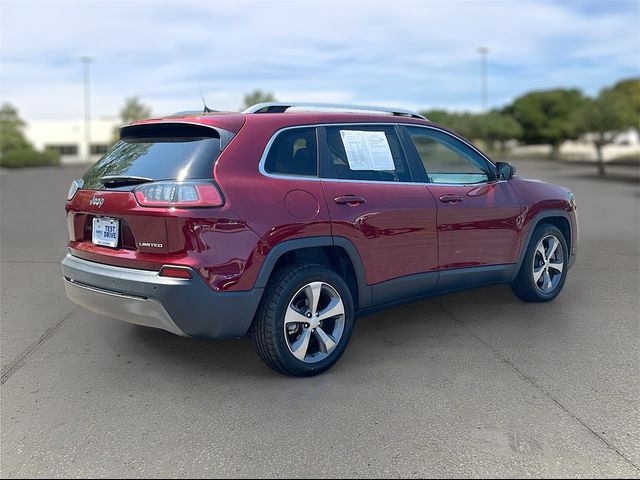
(484, 95)
(86, 62)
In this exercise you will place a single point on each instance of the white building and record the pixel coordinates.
(68, 137)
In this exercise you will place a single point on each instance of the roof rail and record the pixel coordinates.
(279, 107)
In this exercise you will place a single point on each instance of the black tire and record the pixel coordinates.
(525, 286)
(268, 331)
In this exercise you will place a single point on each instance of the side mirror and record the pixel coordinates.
(505, 171)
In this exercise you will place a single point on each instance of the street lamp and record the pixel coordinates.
(86, 62)
(484, 52)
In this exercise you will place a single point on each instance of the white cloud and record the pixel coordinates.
(415, 54)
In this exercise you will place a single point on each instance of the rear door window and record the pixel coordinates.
(159, 152)
(365, 152)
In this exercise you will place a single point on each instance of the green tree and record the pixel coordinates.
(28, 157)
(493, 128)
(549, 117)
(15, 150)
(630, 90)
(11, 130)
(257, 96)
(611, 112)
(132, 111)
(466, 124)
(497, 128)
(442, 117)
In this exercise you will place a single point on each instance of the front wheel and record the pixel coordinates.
(544, 267)
(305, 320)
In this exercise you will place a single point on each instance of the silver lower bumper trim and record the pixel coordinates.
(133, 309)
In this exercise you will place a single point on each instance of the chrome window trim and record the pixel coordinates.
(317, 178)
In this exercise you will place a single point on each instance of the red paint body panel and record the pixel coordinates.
(394, 231)
(146, 224)
(537, 197)
(401, 229)
(481, 229)
(237, 171)
(213, 241)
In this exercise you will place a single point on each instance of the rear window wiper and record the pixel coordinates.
(119, 180)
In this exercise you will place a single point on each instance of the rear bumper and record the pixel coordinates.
(187, 307)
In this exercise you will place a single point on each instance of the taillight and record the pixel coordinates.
(75, 186)
(179, 194)
(175, 272)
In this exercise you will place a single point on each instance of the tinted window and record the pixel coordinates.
(447, 160)
(159, 152)
(294, 152)
(363, 152)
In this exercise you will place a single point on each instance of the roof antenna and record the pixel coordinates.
(205, 109)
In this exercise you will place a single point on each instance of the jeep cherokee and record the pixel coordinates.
(288, 221)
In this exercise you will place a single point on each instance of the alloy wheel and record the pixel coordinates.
(314, 322)
(548, 264)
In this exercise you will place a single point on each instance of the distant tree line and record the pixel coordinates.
(551, 117)
(15, 149)
(547, 117)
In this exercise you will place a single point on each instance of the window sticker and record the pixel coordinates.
(367, 150)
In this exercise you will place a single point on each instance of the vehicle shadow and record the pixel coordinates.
(388, 334)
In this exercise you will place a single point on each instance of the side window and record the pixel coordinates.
(362, 152)
(294, 152)
(446, 161)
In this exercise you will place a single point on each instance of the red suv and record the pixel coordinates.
(288, 221)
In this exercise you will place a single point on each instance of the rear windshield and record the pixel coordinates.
(158, 152)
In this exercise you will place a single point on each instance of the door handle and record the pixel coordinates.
(351, 200)
(451, 198)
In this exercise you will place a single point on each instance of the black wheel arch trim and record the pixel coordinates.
(365, 295)
(537, 219)
(364, 290)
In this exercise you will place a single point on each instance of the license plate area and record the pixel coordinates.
(105, 232)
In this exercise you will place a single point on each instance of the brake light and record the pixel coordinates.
(75, 186)
(175, 272)
(179, 194)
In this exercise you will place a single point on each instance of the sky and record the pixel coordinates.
(417, 55)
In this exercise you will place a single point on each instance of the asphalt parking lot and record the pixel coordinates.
(467, 385)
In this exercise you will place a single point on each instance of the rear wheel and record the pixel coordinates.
(305, 320)
(544, 267)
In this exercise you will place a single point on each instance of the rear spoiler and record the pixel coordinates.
(177, 129)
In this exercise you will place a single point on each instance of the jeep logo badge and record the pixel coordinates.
(96, 201)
